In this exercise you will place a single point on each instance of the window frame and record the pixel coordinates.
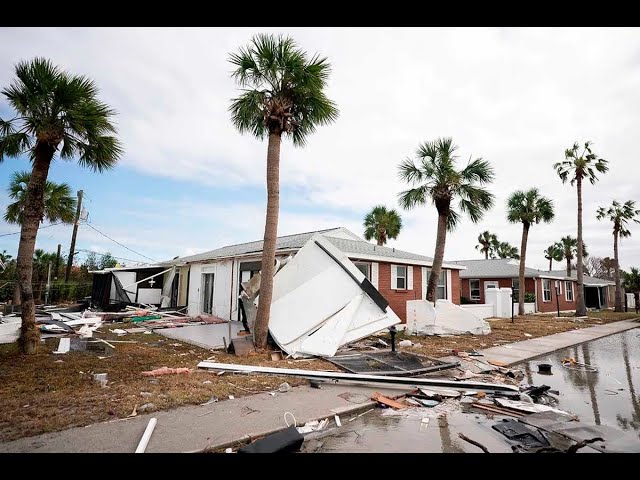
(366, 264)
(544, 290)
(471, 297)
(568, 286)
(403, 277)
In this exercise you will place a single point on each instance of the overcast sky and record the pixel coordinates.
(189, 182)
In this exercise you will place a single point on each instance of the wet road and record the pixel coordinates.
(606, 396)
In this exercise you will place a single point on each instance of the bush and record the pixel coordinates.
(466, 301)
(530, 297)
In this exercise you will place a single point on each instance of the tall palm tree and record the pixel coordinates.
(576, 167)
(569, 246)
(632, 284)
(435, 179)
(553, 252)
(283, 93)
(486, 243)
(528, 208)
(382, 224)
(59, 204)
(56, 113)
(506, 250)
(620, 214)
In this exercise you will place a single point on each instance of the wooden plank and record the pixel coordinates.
(378, 397)
(497, 363)
(497, 410)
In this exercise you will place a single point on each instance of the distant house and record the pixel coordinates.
(209, 282)
(504, 273)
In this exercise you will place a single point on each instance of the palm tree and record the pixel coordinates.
(575, 168)
(435, 179)
(554, 252)
(632, 284)
(569, 247)
(527, 208)
(59, 205)
(382, 224)
(56, 114)
(506, 250)
(283, 93)
(486, 243)
(619, 214)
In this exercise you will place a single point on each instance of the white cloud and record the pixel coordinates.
(516, 97)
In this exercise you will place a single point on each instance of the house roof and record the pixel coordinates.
(588, 281)
(349, 243)
(494, 268)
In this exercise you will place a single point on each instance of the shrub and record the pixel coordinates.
(530, 297)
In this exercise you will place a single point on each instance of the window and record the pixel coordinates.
(515, 284)
(546, 290)
(401, 277)
(474, 289)
(364, 268)
(441, 287)
(207, 293)
(568, 291)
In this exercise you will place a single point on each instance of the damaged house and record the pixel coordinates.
(209, 282)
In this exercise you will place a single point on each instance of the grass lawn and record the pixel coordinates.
(46, 392)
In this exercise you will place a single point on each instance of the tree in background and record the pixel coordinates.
(620, 215)
(382, 224)
(59, 206)
(553, 252)
(56, 113)
(41, 260)
(632, 283)
(435, 179)
(528, 208)
(570, 250)
(486, 243)
(283, 94)
(506, 250)
(576, 167)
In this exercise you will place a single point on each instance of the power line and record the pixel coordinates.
(39, 228)
(105, 254)
(115, 241)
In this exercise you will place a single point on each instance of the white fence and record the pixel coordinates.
(498, 305)
(481, 310)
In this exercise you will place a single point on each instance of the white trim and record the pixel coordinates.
(374, 274)
(400, 261)
(543, 290)
(448, 293)
(409, 277)
(424, 283)
(471, 297)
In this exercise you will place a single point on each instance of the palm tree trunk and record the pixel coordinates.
(581, 308)
(261, 328)
(616, 272)
(550, 264)
(16, 293)
(568, 266)
(33, 210)
(486, 254)
(436, 267)
(523, 259)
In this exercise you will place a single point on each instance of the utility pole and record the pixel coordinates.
(73, 237)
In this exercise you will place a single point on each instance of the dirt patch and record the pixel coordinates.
(47, 392)
(503, 331)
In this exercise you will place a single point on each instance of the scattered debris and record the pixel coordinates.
(165, 371)
(100, 379)
(405, 343)
(63, 346)
(472, 442)
(147, 407)
(338, 422)
(146, 436)
(378, 397)
(284, 387)
(276, 356)
(134, 412)
(118, 331)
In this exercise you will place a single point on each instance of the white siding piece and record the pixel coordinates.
(374, 274)
(409, 277)
(394, 277)
(424, 283)
(449, 293)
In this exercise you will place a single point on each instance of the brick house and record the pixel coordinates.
(209, 282)
(503, 273)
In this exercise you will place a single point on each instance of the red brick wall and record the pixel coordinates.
(398, 298)
(552, 306)
(455, 286)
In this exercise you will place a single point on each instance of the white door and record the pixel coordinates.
(207, 293)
